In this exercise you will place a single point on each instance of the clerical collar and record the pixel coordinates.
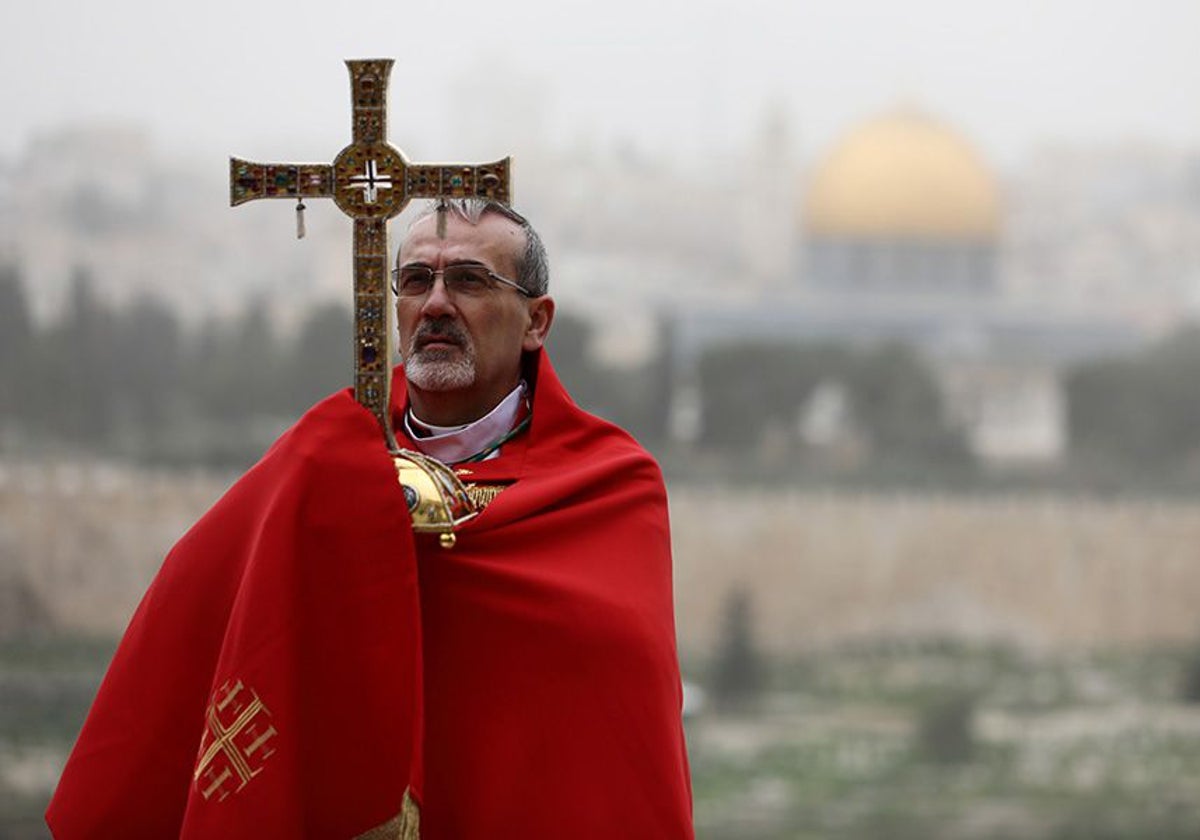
(454, 444)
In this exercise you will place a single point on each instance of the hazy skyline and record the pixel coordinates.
(265, 79)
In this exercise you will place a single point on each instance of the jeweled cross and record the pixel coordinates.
(371, 181)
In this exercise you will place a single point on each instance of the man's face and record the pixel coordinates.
(462, 354)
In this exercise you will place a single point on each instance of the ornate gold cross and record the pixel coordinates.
(371, 181)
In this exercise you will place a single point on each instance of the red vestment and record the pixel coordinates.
(301, 658)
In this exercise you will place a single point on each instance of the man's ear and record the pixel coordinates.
(541, 315)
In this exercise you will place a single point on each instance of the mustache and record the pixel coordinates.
(440, 329)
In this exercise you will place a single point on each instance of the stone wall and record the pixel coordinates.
(79, 544)
(87, 538)
(1041, 571)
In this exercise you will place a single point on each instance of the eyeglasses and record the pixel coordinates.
(467, 280)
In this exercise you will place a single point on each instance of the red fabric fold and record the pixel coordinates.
(536, 660)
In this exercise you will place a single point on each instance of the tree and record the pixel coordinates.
(18, 358)
(149, 356)
(738, 674)
(945, 730)
(635, 398)
(320, 360)
(76, 395)
(569, 346)
(747, 387)
(897, 402)
(1141, 412)
(236, 368)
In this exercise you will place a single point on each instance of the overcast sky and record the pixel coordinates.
(265, 79)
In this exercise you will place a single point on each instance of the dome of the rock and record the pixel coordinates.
(902, 176)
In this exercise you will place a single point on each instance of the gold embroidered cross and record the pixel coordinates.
(236, 741)
(371, 181)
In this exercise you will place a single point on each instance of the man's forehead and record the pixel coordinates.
(491, 238)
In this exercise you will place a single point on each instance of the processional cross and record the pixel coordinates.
(371, 181)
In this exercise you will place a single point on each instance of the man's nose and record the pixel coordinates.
(438, 301)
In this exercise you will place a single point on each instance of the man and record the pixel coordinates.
(304, 665)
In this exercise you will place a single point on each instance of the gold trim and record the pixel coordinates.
(482, 495)
(404, 826)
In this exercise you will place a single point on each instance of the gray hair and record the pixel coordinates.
(533, 266)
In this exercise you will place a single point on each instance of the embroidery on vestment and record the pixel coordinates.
(236, 741)
(483, 495)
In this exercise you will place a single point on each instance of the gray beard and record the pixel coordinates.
(431, 371)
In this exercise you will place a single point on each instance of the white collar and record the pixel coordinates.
(452, 444)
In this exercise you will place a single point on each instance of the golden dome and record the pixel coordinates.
(903, 175)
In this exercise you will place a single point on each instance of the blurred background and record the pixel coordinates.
(902, 296)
